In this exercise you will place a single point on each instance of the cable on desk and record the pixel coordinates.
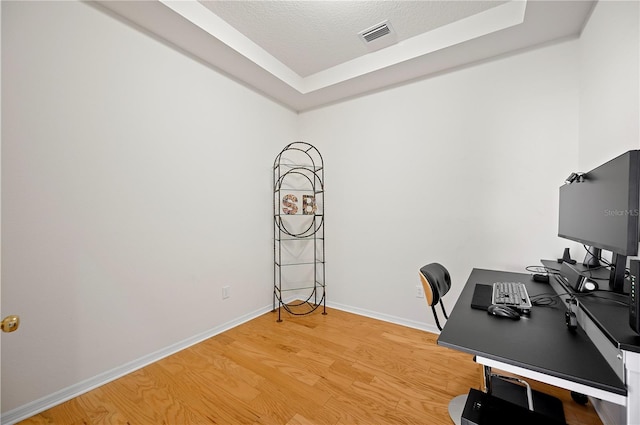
(607, 265)
(594, 295)
(545, 300)
(590, 273)
(541, 274)
(541, 269)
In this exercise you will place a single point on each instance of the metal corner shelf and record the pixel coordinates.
(298, 231)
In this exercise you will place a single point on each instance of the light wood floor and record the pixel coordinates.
(338, 369)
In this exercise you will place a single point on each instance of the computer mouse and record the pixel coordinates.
(500, 310)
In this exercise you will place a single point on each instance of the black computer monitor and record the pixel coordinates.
(601, 209)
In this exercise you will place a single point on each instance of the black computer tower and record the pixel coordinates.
(485, 409)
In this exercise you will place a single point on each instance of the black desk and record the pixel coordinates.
(538, 347)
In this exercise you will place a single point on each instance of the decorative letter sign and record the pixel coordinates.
(289, 204)
(309, 204)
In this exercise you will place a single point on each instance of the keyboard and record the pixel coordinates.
(513, 294)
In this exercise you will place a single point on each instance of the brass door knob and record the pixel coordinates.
(10, 323)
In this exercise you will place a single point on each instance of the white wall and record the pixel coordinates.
(462, 169)
(609, 83)
(135, 184)
(133, 178)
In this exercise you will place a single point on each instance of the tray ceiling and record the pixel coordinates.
(305, 54)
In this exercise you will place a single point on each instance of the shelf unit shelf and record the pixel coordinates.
(298, 216)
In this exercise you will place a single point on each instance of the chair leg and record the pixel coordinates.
(435, 315)
(443, 310)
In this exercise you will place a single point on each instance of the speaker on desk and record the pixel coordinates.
(634, 298)
(576, 280)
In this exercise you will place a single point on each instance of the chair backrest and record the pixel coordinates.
(436, 282)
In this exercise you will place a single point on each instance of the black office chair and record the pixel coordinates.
(436, 282)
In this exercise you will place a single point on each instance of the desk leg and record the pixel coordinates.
(632, 366)
(487, 379)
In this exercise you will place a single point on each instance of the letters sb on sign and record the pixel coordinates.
(290, 204)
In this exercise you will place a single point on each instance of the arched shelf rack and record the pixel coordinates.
(298, 230)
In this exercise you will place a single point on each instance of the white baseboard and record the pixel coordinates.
(385, 317)
(51, 400)
(33, 408)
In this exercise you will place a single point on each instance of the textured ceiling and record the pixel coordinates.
(310, 36)
(307, 53)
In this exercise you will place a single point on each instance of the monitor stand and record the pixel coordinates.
(618, 269)
(592, 260)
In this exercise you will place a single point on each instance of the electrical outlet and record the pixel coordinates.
(226, 292)
(419, 291)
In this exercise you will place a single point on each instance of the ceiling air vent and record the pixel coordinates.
(375, 32)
